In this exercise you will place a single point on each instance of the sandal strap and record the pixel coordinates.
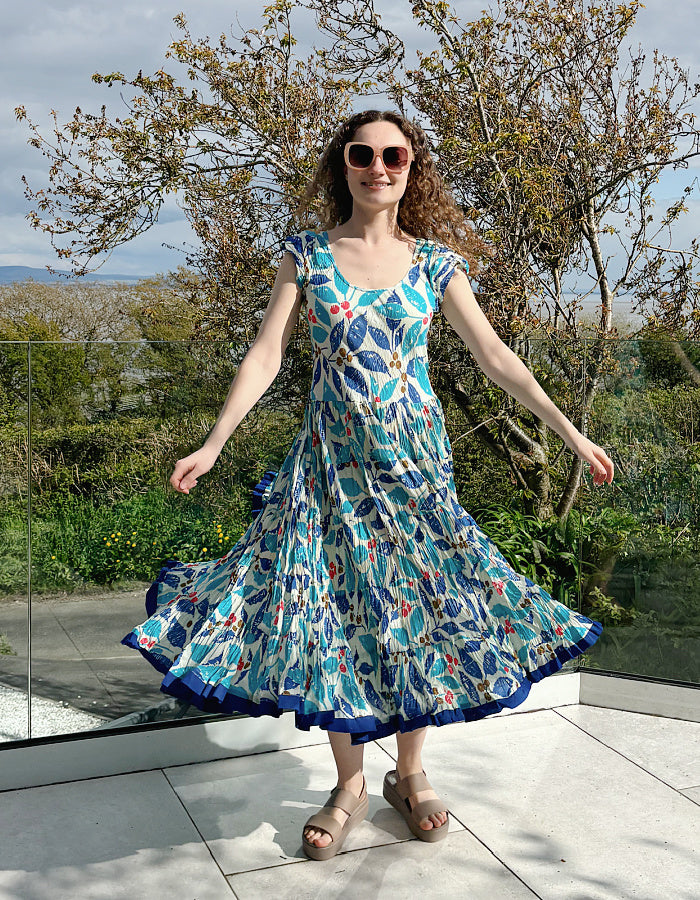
(327, 823)
(426, 808)
(411, 784)
(345, 800)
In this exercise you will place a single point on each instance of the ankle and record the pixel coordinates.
(353, 783)
(408, 767)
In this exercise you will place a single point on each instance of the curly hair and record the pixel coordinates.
(426, 210)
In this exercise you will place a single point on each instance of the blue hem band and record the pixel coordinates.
(218, 699)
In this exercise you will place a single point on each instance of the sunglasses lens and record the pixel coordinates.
(395, 158)
(360, 155)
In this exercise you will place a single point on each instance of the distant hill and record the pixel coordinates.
(10, 274)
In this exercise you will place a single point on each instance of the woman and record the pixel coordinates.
(363, 596)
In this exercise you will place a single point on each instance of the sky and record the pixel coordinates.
(49, 51)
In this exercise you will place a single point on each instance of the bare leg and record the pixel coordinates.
(348, 761)
(409, 746)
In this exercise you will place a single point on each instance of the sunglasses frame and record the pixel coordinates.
(377, 152)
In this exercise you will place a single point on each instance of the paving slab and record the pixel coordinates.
(568, 815)
(457, 867)
(124, 836)
(667, 748)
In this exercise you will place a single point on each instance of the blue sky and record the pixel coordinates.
(49, 50)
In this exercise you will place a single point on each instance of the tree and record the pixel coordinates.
(549, 142)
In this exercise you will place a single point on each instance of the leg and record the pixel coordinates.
(409, 745)
(348, 761)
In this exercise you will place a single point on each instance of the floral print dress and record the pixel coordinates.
(362, 596)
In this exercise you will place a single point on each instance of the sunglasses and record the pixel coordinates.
(395, 157)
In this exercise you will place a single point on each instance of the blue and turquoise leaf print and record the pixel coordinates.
(318, 278)
(365, 668)
(413, 394)
(337, 335)
(490, 663)
(176, 635)
(413, 275)
(322, 314)
(372, 696)
(372, 361)
(388, 389)
(318, 334)
(357, 332)
(502, 686)
(412, 335)
(336, 380)
(379, 338)
(410, 705)
(355, 379)
(365, 507)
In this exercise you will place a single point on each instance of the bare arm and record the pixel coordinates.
(501, 365)
(256, 373)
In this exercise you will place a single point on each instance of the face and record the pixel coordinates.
(378, 187)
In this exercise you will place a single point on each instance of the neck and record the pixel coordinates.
(374, 227)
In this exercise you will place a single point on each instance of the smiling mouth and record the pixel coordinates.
(376, 184)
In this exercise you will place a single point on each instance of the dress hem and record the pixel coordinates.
(218, 699)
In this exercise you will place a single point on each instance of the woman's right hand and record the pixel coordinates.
(188, 469)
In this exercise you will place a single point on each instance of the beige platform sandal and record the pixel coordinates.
(355, 807)
(397, 793)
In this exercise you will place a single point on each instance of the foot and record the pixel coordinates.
(319, 837)
(435, 820)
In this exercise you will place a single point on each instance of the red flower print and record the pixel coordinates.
(449, 697)
(331, 569)
(355, 464)
(345, 304)
(376, 400)
(499, 586)
(343, 667)
(508, 628)
(425, 320)
(426, 575)
(559, 630)
(410, 584)
(335, 309)
(348, 314)
(240, 664)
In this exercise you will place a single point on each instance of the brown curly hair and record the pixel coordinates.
(426, 209)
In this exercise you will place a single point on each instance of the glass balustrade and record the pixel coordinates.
(90, 433)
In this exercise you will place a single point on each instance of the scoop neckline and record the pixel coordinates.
(414, 261)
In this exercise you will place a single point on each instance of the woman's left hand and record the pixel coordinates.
(601, 466)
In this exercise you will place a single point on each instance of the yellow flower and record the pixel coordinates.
(227, 538)
(204, 549)
(119, 534)
(133, 533)
(109, 543)
(113, 535)
(220, 541)
(53, 557)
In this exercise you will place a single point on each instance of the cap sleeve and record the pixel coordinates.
(295, 245)
(444, 264)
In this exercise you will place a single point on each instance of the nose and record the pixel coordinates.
(377, 167)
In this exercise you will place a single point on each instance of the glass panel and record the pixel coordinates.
(646, 580)
(109, 422)
(14, 594)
